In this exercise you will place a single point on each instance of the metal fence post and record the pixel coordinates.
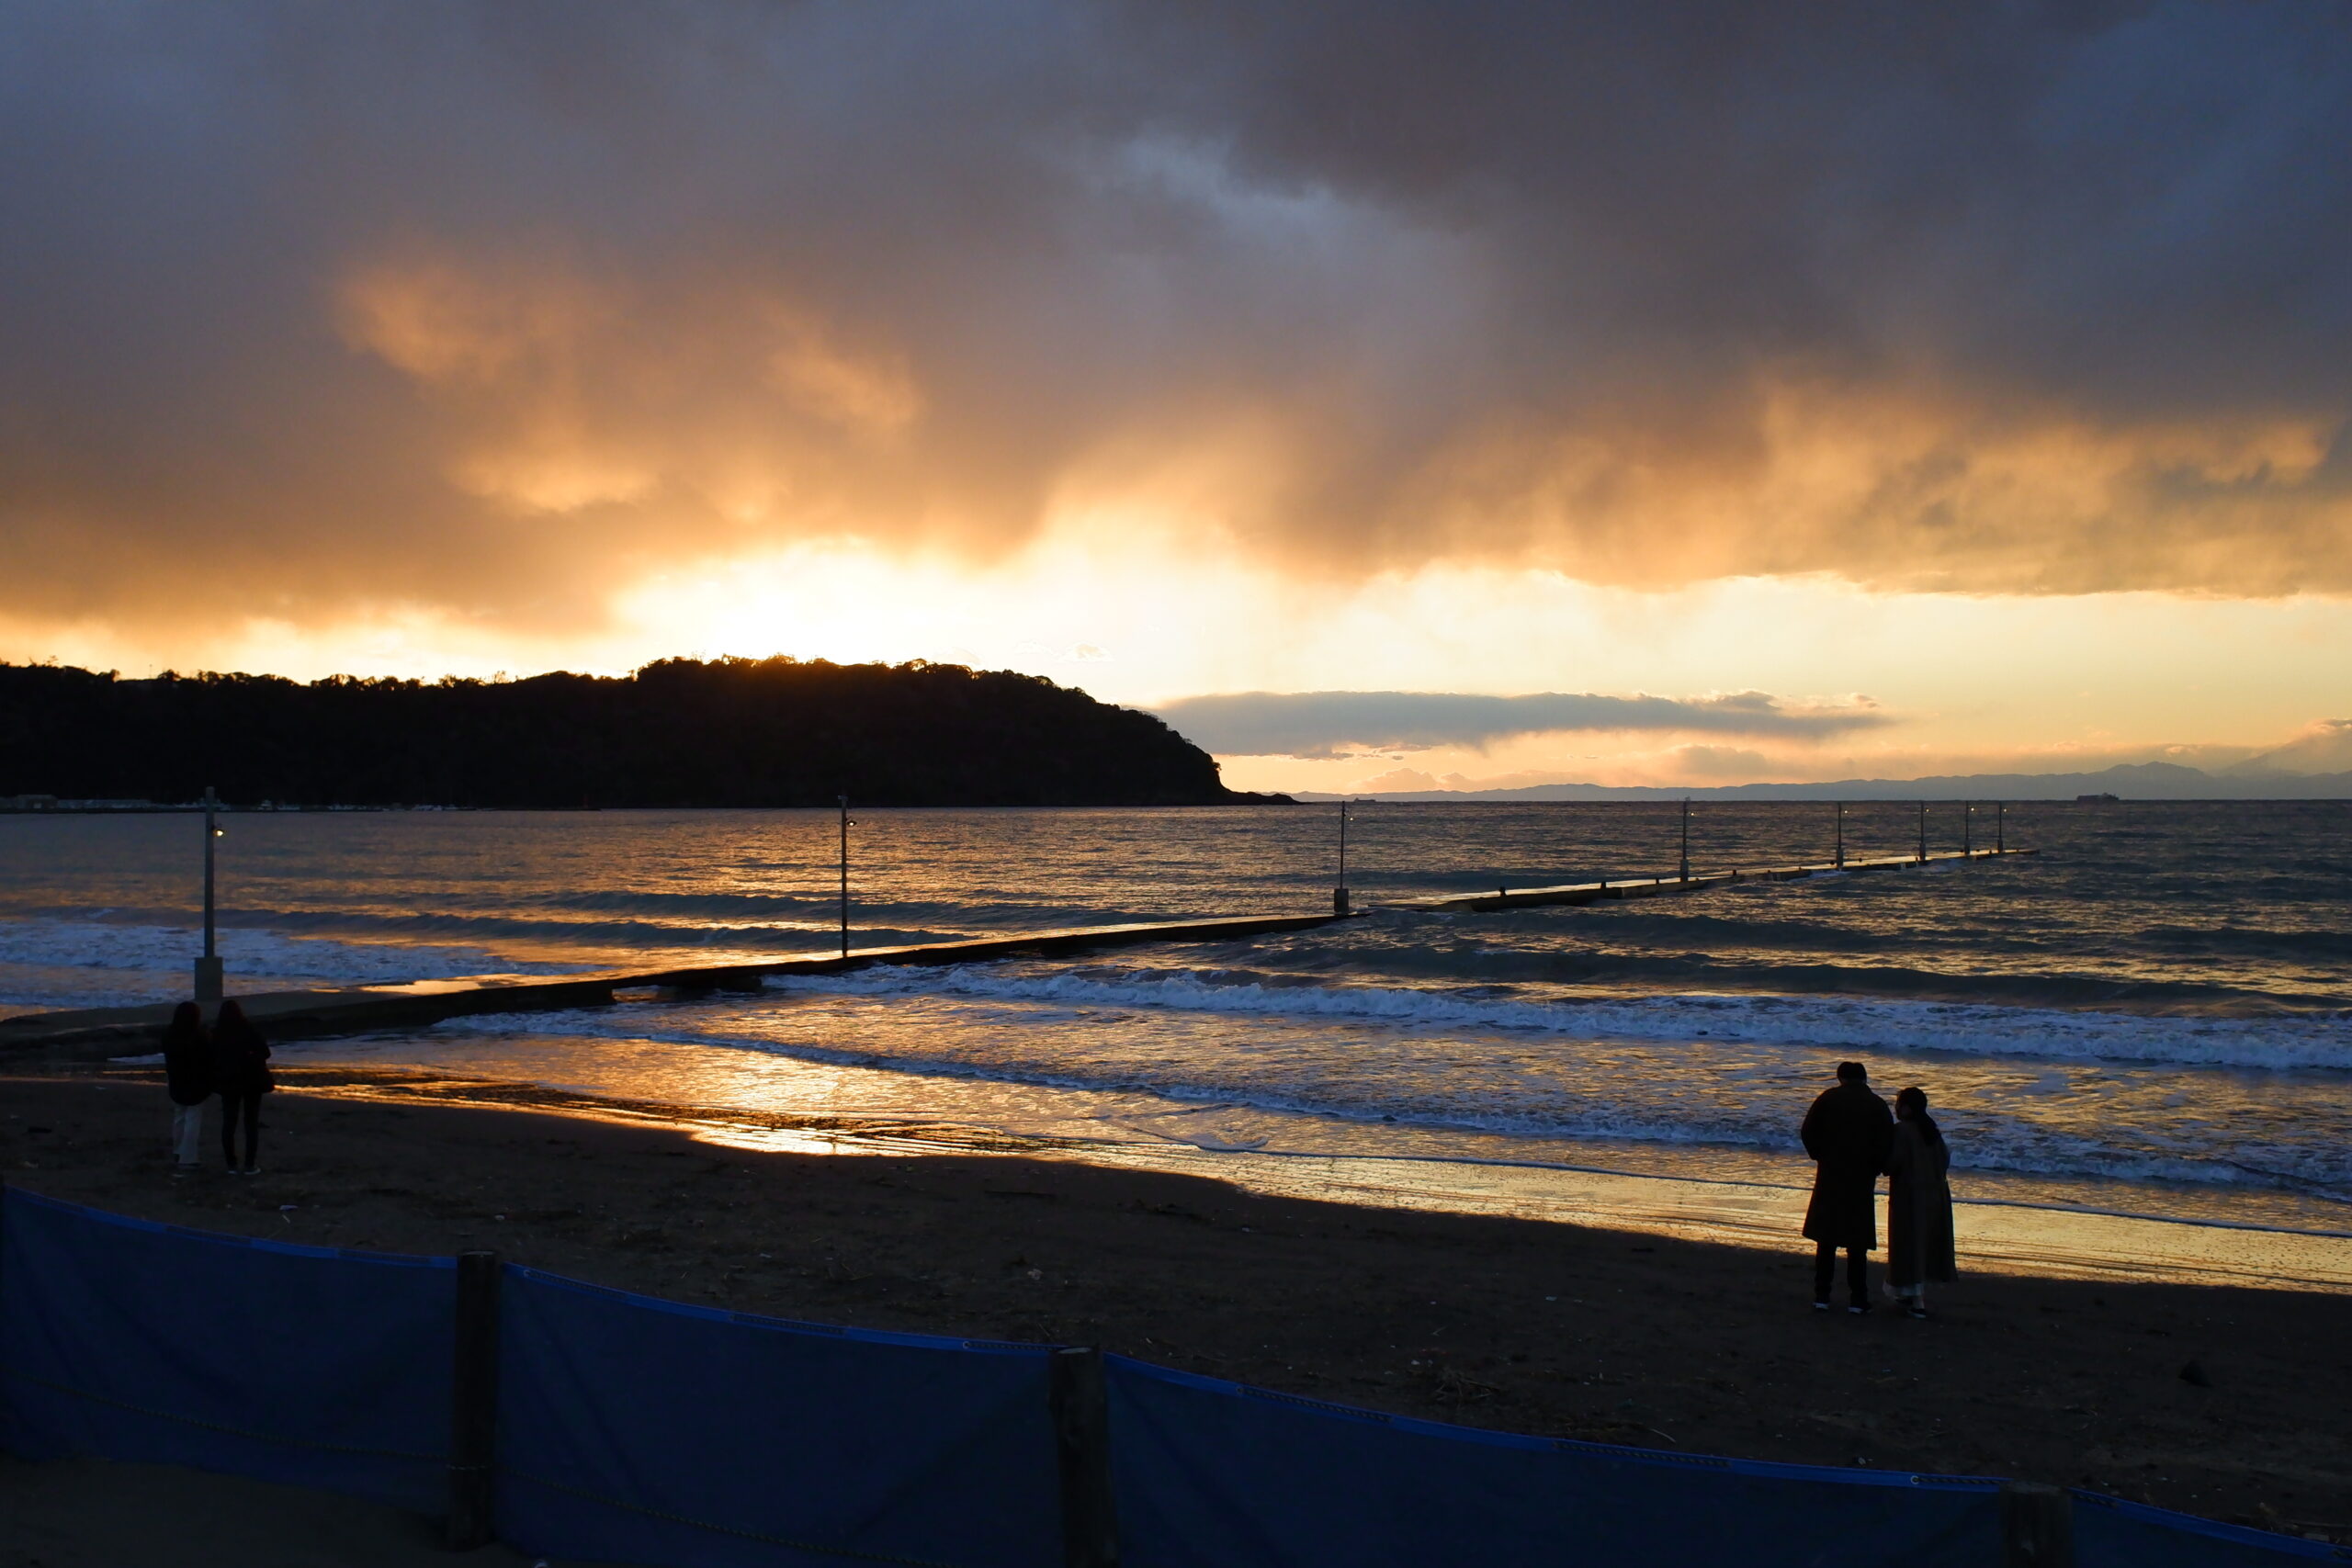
(1082, 1436)
(2037, 1526)
(473, 1403)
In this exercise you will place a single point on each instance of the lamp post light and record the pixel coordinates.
(1339, 894)
(843, 799)
(208, 968)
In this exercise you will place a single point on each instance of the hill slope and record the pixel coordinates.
(680, 732)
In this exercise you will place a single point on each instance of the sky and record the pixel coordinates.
(1472, 392)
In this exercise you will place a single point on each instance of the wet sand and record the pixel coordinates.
(1616, 1335)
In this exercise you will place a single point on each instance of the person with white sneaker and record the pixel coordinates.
(187, 1078)
(1918, 1204)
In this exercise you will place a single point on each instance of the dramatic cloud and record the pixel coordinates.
(1328, 724)
(494, 309)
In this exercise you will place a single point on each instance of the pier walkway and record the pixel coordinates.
(1668, 885)
(95, 1033)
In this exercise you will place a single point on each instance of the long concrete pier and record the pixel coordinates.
(359, 1009)
(1669, 885)
(95, 1032)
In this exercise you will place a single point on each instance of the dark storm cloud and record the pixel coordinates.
(1328, 724)
(491, 307)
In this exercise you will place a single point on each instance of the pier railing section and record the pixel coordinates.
(624, 1428)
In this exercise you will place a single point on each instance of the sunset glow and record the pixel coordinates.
(974, 350)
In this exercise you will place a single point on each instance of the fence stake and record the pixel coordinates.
(473, 1403)
(2037, 1526)
(1082, 1434)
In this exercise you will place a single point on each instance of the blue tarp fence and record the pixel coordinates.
(637, 1430)
(1213, 1475)
(124, 1339)
(650, 1432)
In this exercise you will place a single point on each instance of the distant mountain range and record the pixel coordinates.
(2129, 781)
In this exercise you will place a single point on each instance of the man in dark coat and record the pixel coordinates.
(1848, 1132)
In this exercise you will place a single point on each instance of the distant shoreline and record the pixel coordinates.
(1627, 796)
(227, 808)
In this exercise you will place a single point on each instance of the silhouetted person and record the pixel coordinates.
(1846, 1133)
(1918, 1204)
(241, 1072)
(187, 1078)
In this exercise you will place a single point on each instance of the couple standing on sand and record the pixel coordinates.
(1852, 1138)
(230, 1059)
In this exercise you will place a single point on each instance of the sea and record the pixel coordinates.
(2149, 1017)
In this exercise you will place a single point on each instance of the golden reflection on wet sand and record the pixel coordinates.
(1999, 1238)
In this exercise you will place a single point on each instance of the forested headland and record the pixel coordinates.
(681, 732)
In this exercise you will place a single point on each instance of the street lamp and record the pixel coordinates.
(845, 826)
(1339, 894)
(208, 968)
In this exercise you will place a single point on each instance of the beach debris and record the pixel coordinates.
(2193, 1373)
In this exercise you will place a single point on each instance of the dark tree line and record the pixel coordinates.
(680, 732)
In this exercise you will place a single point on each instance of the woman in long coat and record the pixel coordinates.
(241, 1072)
(1918, 1204)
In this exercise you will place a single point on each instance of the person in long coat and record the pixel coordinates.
(241, 1072)
(187, 1078)
(1846, 1133)
(1918, 1204)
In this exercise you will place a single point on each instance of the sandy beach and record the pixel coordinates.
(1599, 1332)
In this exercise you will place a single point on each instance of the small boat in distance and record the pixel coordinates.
(2096, 799)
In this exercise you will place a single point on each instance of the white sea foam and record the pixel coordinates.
(114, 959)
(1659, 1094)
(1838, 1022)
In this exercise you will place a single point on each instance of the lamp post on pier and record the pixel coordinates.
(208, 968)
(2000, 822)
(1967, 821)
(1841, 835)
(1685, 838)
(1923, 832)
(1339, 894)
(843, 799)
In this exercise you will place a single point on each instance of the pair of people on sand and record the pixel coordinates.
(1853, 1137)
(230, 1059)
